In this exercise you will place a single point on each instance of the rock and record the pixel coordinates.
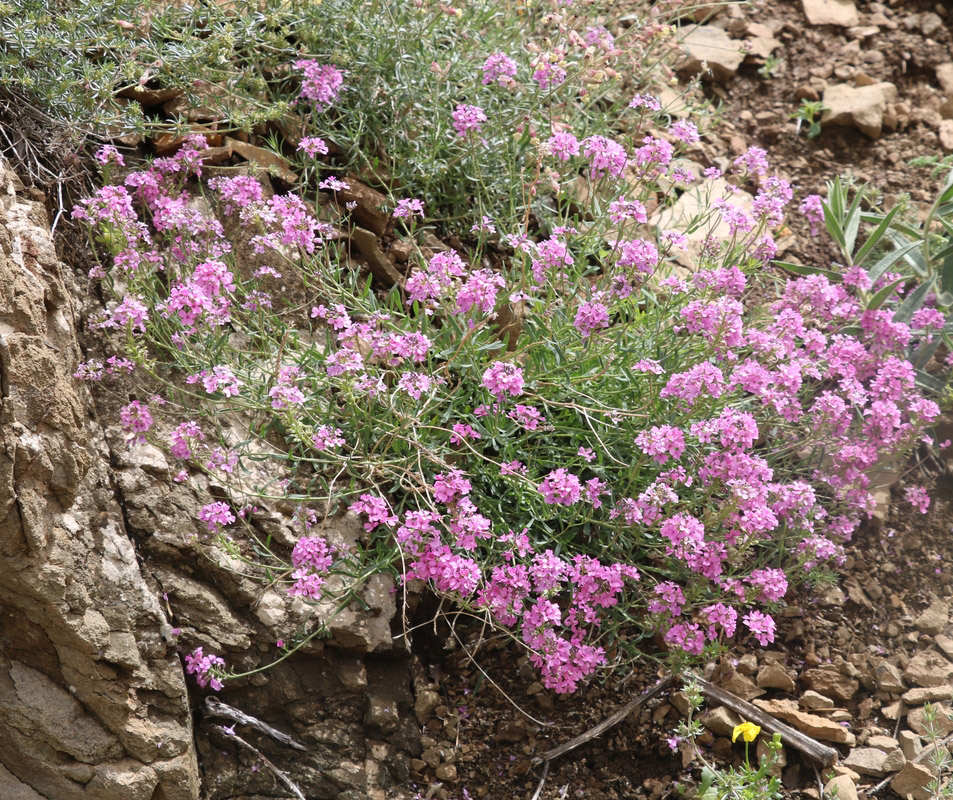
(811, 724)
(943, 723)
(918, 696)
(266, 159)
(843, 786)
(446, 772)
(830, 683)
(910, 744)
(831, 12)
(886, 743)
(747, 664)
(815, 702)
(892, 711)
(425, 704)
(860, 106)
(369, 211)
(930, 23)
(741, 685)
(888, 677)
(945, 643)
(721, 721)
(944, 76)
(928, 668)
(867, 761)
(711, 52)
(933, 619)
(945, 134)
(894, 761)
(772, 676)
(512, 731)
(912, 781)
(761, 41)
(369, 245)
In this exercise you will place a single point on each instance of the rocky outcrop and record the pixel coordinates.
(106, 582)
(92, 693)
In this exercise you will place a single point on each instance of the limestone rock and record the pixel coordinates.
(945, 134)
(811, 724)
(425, 704)
(919, 696)
(886, 743)
(721, 721)
(929, 669)
(815, 702)
(888, 677)
(831, 683)
(860, 106)
(710, 51)
(910, 744)
(943, 723)
(944, 76)
(867, 761)
(894, 761)
(937, 615)
(843, 786)
(773, 676)
(831, 12)
(912, 781)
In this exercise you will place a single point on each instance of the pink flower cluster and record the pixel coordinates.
(321, 84)
(207, 669)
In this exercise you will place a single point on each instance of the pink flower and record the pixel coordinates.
(327, 438)
(207, 669)
(918, 497)
(216, 515)
(321, 85)
(761, 625)
(606, 157)
(312, 145)
(563, 145)
(662, 442)
(560, 488)
(468, 119)
(136, 421)
(408, 207)
(503, 378)
(499, 68)
(591, 316)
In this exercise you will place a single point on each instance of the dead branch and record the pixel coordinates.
(821, 753)
(216, 708)
(292, 786)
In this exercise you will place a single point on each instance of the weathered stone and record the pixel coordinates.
(886, 743)
(894, 761)
(446, 772)
(843, 786)
(721, 721)
(772, 676)
(945, 643)
(830, 683)
(944, 76)
(919, 696)
(917, 720)
(367, 242)
(860, 106)
(747, 664)
(425, 704)
(831, 12)
(811, 724)
(910, 744)
(912, 781)
(711, 52)
(888, 677)
(928, 669)
(867, 761)
(944, 133)
(935, 617)
(815, 702)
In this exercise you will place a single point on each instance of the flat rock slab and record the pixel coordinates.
(831, 683)
(912, 781)
(867, 761)
(811, 724)
(860, 106)
(711, 47)
(929, 669)
(831, 12)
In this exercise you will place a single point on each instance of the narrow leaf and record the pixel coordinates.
(881, 297)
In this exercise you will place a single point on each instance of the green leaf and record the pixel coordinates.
(914, 301)
(853, 219)
(889, 260)
(833, 224)
(874, 238)
(806, 269)
(881, 297)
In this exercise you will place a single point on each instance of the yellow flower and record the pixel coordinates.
(747, 730)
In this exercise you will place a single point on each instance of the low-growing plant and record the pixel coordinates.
(748, 782)
(810, 111)
(556, 432)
